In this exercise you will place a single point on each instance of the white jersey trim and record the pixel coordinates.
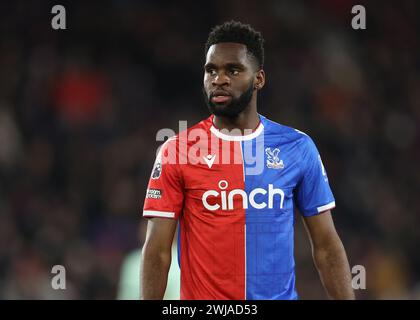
(227, 137)
(150, 213)
(326, 207)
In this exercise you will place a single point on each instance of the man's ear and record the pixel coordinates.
(259, 79)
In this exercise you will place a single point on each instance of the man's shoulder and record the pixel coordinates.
(289, 134)
(204, 125)
(187, 135)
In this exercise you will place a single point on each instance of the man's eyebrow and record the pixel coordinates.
(227, 65)
(209, 65)
(236, 65)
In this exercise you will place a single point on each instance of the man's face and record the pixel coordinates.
(229, 75)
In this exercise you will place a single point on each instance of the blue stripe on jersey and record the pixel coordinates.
(269, 235)
(290, 167)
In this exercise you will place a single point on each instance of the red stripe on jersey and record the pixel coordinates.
(212, 241)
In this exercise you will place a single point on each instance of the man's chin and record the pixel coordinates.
(220, 107)
(222, 110)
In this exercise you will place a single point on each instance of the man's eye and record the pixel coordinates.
(212, 72)
(234, 72)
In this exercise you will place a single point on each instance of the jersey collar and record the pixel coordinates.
(246, 137)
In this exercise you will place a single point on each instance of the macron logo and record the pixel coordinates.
(209, 159)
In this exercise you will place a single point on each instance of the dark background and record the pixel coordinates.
(80, 109)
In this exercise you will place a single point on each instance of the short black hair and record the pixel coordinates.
(238, 32)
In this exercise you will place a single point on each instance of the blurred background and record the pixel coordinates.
(80, 109)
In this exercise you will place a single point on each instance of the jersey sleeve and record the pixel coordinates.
(313, 194)
(164, 195)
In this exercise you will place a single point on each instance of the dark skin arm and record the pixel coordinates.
(156, 257)
(329, 256)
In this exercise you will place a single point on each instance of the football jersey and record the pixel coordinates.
(234, 196)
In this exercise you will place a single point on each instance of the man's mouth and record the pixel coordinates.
(220, 97)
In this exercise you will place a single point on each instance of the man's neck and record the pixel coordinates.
(246, 120)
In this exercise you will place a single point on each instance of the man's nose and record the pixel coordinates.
(221, 79)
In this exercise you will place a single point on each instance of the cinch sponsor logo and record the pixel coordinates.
(225, 198)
